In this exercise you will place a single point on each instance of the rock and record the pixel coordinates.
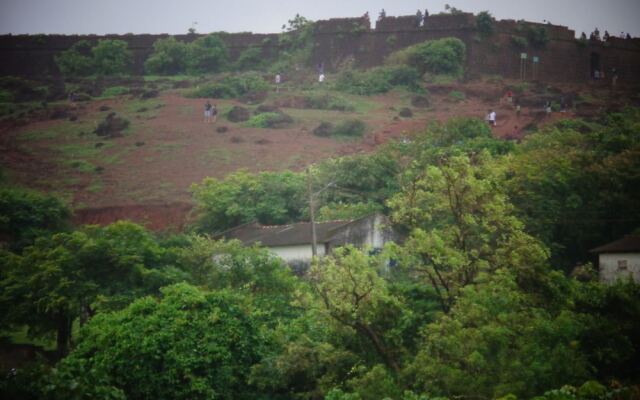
(104, 108)
(406, 112)
(222, 129)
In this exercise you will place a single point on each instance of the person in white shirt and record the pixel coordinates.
(321, 78)
(492, 118)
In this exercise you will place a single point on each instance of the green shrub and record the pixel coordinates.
(111, 57)
(457, 96)
(169, 57)
(250, 59)
(519, 42)
(351, 128)
(115, 91)
(77, 60)
(207, 54)
(442, 56)
(231, 87)
(328, 102)
(378, 80)
(484, 23)
(270, 120)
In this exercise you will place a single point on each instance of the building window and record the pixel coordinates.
(622, 264)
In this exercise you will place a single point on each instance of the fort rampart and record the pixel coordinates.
(339, 41)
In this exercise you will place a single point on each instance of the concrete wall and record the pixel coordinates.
(352, 40)
(615, 266)
(298, 252)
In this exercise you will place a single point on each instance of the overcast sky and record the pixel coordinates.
(268, 16)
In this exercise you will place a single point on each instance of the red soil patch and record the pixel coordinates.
(166, 153)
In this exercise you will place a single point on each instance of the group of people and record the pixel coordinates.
(595, 35)
(210, 112)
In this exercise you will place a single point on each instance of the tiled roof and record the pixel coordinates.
(628, 244)
(282, 235)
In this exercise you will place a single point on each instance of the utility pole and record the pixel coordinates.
(314, 250)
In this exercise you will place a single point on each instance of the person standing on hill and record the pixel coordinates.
(207, 112)
(277, 80)
(214, 113)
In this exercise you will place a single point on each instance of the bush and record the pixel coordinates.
(77, 60)
(115, 91)
(405, 112)
(238, 114)
(111, 57)
(169, 57)
(324, 129)
(26, 215)
(519, 42)
(484, 23)
(207, 54)
(378, 80)
(270, 120)
(232, 87)
(456, 96)
(327, 102)
(351, 127)
(442, 56)
(251, 58)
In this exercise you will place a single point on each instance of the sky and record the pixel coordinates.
(268, 16)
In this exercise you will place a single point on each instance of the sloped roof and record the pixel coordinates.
(628, 244)
(282, 235)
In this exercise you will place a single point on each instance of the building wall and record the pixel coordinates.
(298, 252)
(612, 268)
(342, 41)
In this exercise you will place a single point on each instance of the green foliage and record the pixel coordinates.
(26, 215)
(295, 45)
(346, 211)
(457, 96)
(71, 274)
(269, 197)
(250, 59)
(77, 60)
(232, 86)
(378, 80)
(442, 56)
(484, 23)
(190, 344)
(270, 120)
(169, 57)
(519, 42)
(563, 178)
(505, 342)
(328, 102)
(111, 57)
(350, 128)
(207, 54)
(537, 36)
(115, 91)
(461, 224)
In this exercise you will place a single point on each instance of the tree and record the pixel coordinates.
(250, 59)
(190, 344)
(111, 57)
(461, 224)
(355, 297)
(77, 60)
(268, 197)
(441, 56)
(207, 54)
(169, 57)
(26, 215)
(496, 341)
(484, 23)
(71, 275)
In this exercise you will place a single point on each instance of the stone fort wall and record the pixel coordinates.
(354, 40)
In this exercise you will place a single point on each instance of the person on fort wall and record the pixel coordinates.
(418, 18)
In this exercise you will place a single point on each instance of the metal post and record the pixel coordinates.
(314, 250)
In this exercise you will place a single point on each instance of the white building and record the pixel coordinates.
(293, 242)
(619, 259)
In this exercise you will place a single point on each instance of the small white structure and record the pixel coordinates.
(619, 260)
(293, 242)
